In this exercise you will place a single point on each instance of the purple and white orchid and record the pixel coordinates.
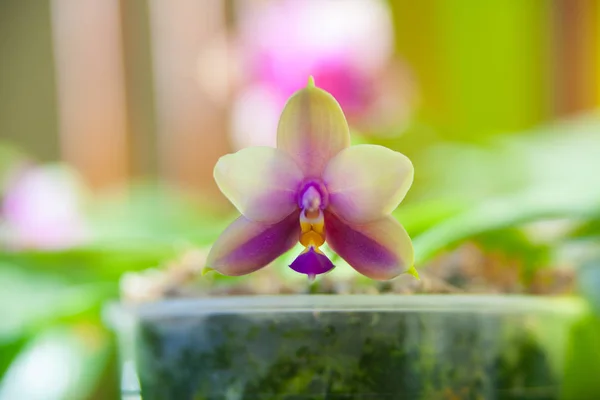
(314, 188)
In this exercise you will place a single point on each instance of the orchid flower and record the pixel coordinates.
(43, 209)
(314, 188)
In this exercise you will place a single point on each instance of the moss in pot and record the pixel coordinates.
(312, 189)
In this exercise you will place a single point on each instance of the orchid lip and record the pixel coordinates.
(312, 262)
(312, 195)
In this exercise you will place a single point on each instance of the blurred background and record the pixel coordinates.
(113, 114)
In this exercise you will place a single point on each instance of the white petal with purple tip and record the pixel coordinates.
(261, 182)
(312, 129)
(367, 182)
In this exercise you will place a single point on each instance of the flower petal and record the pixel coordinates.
(261, 182)
(312, 262)
(246, 246)
(312, 129)
(379, 250)
(367, 182)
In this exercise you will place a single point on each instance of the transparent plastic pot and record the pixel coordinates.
(345, 347)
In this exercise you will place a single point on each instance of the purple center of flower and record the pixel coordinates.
(312, 196)
(312, 200)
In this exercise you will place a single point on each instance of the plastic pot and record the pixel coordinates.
(346, 347)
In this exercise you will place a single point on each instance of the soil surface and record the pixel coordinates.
(465, 270)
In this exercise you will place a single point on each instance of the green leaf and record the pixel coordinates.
(418, 217)
(106, 263)
(151, 215)
(503, 212)
(587, 230)
(9, 349)
(540, 174)
(60, 363)
(582, 360)
(29, 302)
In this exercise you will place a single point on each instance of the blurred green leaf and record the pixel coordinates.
(42, 315)
(558, 158)
(97, 263)
(502, 213)
(542, 174)
(60, 363)
(587, 230)
(9, 349)
(149, 215)
(33, 301)
(582, 360)
(418, 217)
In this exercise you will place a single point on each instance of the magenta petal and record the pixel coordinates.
(312, 263)
(379, 250)
(246, 246)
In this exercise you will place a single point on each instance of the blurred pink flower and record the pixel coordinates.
(43, 209)
(346, 45)
(341, 42)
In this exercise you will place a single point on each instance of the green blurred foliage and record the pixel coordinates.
(583, 360)
(54, 299)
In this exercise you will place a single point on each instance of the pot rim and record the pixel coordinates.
(471, 303)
